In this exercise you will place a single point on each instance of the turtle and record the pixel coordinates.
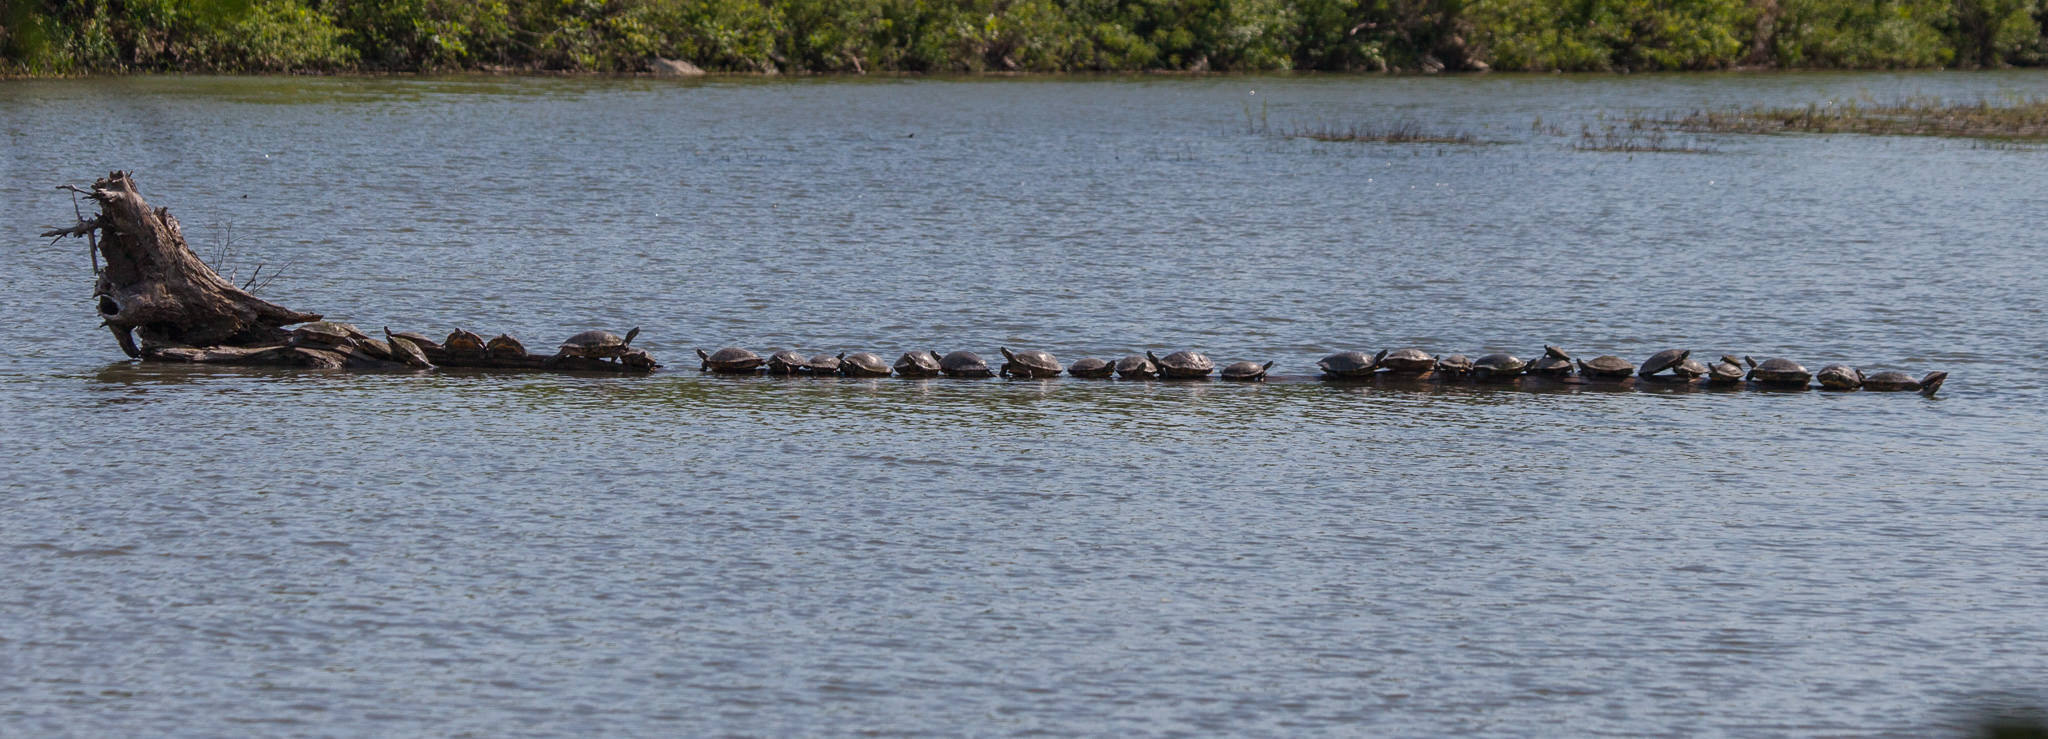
(1247, 371)
(1346, 364)
(1554, 363)
(463, 343)
(596, 344)
(1091, 367)
(823, 364)
(1728, 371)
(1183, 365)
(503, 346)
(862, 364)
(1137, 367)
(378, 348)
(1606, 366)
(1839, 377)
(1689, 370)
(1663, 360)
(917, 364)
(325, 334)
(638, 359)
(406, 349)
(963, 364)
(1030, 363)
(1498, 366)
(731, 360)
(1778, 371)
(1893, 380)
(418, 339)
(787, 362)
(1454, 366)
(1405, 361)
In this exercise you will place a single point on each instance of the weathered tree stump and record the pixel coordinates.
(155, 289)
(165, 304)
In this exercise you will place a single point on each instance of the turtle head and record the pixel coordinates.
(935, 356)
(1376, 358)
(1153, 357)
(1932, 382)
(701, 354)
(1006, 353)
(1269, 365)
(841, 357)
(630, 335)
(1751, 362)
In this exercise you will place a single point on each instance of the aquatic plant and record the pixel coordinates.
(1400, 132)
(2024, 119)
(1630, 139)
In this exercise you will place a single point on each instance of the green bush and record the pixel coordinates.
(70, 36)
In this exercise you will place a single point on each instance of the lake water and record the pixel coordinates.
(221, 551)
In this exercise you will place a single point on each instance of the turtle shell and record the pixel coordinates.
(597, 344)
(416, 338)
(1455, 365)
(917, 364)
(1499, 366)
(378, 348)
(638, 359)
(1410, 359)
(1554, 363)
(1091, 367)
(1839, 377)
(1728, 370)
(964, 364)
(1606, 365)
(787, 362)
(406, 349)
(823, 364)
(326, 333)
(862, 364)
(1892, 380)
(1185, 365)
(1690, 369)
(1137, 367)
(503, 345)
(730, 360)
(1663, 360)
(1246, 371)
(1347, 364)
(1030, 363)
(1778, 371)
(463, 342)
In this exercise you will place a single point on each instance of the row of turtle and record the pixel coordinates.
(1671, 365)
(412, 348)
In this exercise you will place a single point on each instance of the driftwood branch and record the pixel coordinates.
(162, 302)
(156, 289)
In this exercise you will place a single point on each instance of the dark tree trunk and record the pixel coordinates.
(156, 288)
(163, 303)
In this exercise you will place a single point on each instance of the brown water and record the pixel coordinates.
(224, 552)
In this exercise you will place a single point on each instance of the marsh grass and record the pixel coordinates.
(1633, 139)
(2023, 119)
(1403, 132)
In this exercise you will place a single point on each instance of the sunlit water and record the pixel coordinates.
(224, 551)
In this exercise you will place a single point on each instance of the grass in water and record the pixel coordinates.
(2024, 119)
(1632, 139)
(1405, 132)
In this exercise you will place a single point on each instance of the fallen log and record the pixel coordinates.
(163, 303)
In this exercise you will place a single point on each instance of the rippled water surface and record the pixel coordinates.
(218, 551)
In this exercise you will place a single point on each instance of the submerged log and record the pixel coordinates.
(163, 303)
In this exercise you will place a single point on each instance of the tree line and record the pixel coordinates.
(54, 37)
